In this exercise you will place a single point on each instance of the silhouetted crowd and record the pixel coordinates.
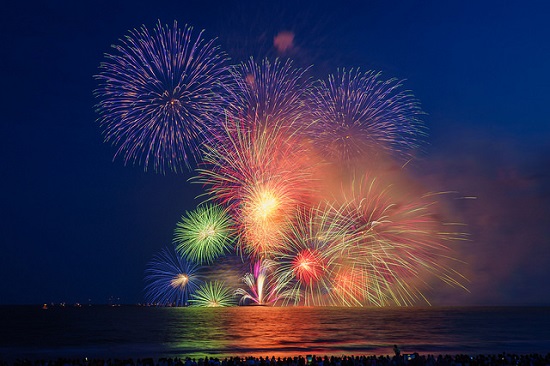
(413, 359)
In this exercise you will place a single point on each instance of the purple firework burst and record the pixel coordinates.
(358, 114)
(160, 94)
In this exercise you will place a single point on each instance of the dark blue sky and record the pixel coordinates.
(75, 225)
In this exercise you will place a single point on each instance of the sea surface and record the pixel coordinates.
(133, 331)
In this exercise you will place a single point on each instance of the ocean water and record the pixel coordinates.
(133, 331)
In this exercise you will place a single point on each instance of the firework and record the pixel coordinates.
(212, 294)
(400, 241)
(314, 251)
(170, 279)
(267, 137)
(263, 289)
(350, 285)
(159, 94)
(270, 91)
(204, 234)
(359, 115)
(262, 173)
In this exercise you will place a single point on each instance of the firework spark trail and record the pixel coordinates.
(398, 242)
(204, 234)
(170, 279)
(263, 174)
(263, 288)
(306, 265)
(349, 285)
(160, 93)
(358, 114)
(270, 91)
(212, 294)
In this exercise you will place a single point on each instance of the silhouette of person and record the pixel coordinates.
(396, 350)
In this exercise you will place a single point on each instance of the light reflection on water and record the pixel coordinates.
(266, 331)
(300, 330)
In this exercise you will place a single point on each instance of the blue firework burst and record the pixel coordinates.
(170, 279)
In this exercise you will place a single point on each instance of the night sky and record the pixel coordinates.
(77, 226)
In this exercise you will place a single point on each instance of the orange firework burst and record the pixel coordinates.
(265, 214)
(262, 171)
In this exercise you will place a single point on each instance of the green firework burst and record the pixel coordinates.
(213, 294)
(204, 234)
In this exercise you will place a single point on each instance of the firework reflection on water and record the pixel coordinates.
(132, 331)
